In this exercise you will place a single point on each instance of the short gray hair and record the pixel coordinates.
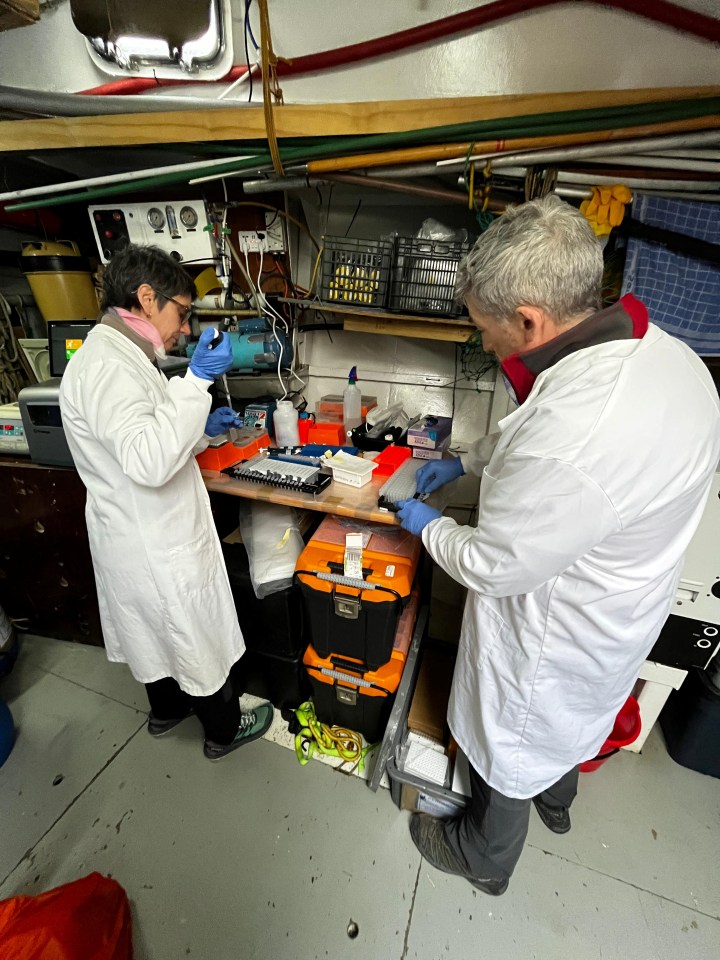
(543, 254)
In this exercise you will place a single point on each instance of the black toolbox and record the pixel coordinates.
(356, 618)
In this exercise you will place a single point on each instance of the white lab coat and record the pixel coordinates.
(164, 596)
(587, 505)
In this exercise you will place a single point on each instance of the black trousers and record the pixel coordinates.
(219, 713)
(491, 834)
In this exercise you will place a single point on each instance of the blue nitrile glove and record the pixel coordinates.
(221, 420)
(416, 515)
(436, 473)
(211, 362)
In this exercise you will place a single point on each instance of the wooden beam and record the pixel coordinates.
(419, 329)
(311, 120)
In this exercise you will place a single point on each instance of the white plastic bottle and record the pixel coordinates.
(352, 403)
(285, 424)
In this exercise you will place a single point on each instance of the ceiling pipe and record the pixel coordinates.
(658, 11)
(700, 138)
(127, 177)
(42, 104)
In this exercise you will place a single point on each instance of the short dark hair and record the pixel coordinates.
(134, 265)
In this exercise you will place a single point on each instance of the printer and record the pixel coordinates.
(40, 402)
(40, 411)
(691, 634)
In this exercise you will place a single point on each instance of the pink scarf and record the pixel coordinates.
(141, 326)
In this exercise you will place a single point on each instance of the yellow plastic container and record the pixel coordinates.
(60, 280)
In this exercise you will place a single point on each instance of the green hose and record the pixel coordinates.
(542, 124)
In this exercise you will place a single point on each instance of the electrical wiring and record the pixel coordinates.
(246, 274)
(661, 11)
(281, 213)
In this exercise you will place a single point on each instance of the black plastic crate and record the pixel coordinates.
(423, 275)
(274, 625)
(355, 271)
(281, 680)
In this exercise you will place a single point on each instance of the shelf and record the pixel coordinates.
(361, 320)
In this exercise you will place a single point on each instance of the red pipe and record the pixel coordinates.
(659, 11)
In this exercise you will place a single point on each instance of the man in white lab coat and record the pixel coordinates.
(164, 596)
(590, 497)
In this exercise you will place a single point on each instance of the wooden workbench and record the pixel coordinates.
(338, 498)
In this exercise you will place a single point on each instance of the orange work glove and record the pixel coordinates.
(606, 208)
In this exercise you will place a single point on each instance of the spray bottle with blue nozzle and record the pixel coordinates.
(352, 403)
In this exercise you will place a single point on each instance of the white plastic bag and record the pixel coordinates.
(271, 534)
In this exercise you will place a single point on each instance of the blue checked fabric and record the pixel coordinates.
(682, 294)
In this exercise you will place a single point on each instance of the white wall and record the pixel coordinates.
(574, 46)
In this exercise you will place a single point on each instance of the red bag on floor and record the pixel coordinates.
(88, 919)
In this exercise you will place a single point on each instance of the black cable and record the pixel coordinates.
(352, 221)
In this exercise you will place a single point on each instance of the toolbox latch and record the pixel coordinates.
(346, 695)
(347, 607)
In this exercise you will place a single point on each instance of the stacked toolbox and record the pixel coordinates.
(359, 630)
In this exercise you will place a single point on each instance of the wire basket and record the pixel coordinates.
(423, 276)
(355, 271)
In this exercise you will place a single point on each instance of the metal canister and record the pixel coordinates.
(60, 280)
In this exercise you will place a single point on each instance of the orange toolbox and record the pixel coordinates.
(350, 617)
(226, 451)
(347, 694)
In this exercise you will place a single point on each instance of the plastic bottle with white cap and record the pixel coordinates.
(352, 403)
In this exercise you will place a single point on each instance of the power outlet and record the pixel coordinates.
(254, 241)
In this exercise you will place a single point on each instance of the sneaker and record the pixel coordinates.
(156, 728)
(253, 725)
(428, 835)
(556, 819)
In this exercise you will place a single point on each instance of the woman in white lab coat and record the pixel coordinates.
(164, 596)
(588, 502)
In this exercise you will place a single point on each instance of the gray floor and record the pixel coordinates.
(257, 857)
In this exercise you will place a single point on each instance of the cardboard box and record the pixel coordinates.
(430, 433)
(423, 453)
(428, 710)
(18, 13)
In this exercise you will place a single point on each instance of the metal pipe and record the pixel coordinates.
(432, 193)
(662, 163)
(635, 183)
(45, 104)
(567, 177)
(278, 183)
(590, 150)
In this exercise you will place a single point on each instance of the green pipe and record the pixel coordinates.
(557, 123)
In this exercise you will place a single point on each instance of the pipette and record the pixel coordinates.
(216, 341)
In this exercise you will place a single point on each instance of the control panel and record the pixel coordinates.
(12, 432)
(178, 227)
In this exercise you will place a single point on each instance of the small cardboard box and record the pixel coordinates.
(423, 453)
(430, 433)
(428, 710)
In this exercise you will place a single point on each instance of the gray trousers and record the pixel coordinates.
(490, 835)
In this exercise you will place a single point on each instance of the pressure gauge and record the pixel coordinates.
(188, 217)
(156, 218)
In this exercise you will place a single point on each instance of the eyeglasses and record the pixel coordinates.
(184, 310)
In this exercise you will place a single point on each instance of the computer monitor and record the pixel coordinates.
(64, 338)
